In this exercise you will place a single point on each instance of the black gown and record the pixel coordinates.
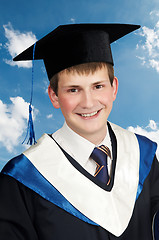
(26, 214)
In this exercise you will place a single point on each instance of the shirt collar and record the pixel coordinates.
(72, 143)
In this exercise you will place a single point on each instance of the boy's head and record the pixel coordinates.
(85, 69)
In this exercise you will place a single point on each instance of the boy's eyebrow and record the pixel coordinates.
(77, 86)
(72, 86)
(99, 82)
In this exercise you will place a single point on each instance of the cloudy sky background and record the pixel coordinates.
(136, 58)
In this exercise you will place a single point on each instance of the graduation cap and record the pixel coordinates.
(70, 45)
(74, 44)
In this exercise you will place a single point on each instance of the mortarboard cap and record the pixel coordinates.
(74, 44)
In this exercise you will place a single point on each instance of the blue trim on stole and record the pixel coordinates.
(147, 154)
(24, 171)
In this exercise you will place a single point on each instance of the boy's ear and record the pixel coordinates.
(115, 87)
(53, 97)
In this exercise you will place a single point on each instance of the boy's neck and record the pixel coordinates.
(95, 138)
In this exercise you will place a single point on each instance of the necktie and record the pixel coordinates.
(99, 155)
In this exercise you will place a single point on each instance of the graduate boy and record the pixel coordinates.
(90, 180)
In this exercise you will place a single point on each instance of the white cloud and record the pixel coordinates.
(13, 122)
(148, 48)
(18, 42)
(49, 116)
(154, 64)
(151, 131)
(152, 125)
(142, 60)
(72, 20)
(154, 14)
(45, 86)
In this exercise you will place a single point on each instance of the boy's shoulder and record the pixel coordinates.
(125, 134)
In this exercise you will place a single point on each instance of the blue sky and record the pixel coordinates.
(136, 58)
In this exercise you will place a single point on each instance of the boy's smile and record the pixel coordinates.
(86, 101)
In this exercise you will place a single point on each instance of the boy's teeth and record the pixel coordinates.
(89, 114)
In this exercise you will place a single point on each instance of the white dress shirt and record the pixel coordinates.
(80, 148)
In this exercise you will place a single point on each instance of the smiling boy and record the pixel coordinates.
(91, 179)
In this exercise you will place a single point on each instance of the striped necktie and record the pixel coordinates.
(99, 155)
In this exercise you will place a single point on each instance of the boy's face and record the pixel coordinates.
(86, 102)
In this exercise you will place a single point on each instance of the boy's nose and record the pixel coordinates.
(87, 100)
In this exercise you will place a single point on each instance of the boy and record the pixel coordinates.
(91, 179)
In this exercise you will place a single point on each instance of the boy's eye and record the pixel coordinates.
(98, 86)
(73, 90)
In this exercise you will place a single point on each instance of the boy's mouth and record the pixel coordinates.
(88, 114)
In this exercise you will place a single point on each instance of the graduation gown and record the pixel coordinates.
(45, 194)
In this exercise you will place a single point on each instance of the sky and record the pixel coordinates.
(136, 59)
